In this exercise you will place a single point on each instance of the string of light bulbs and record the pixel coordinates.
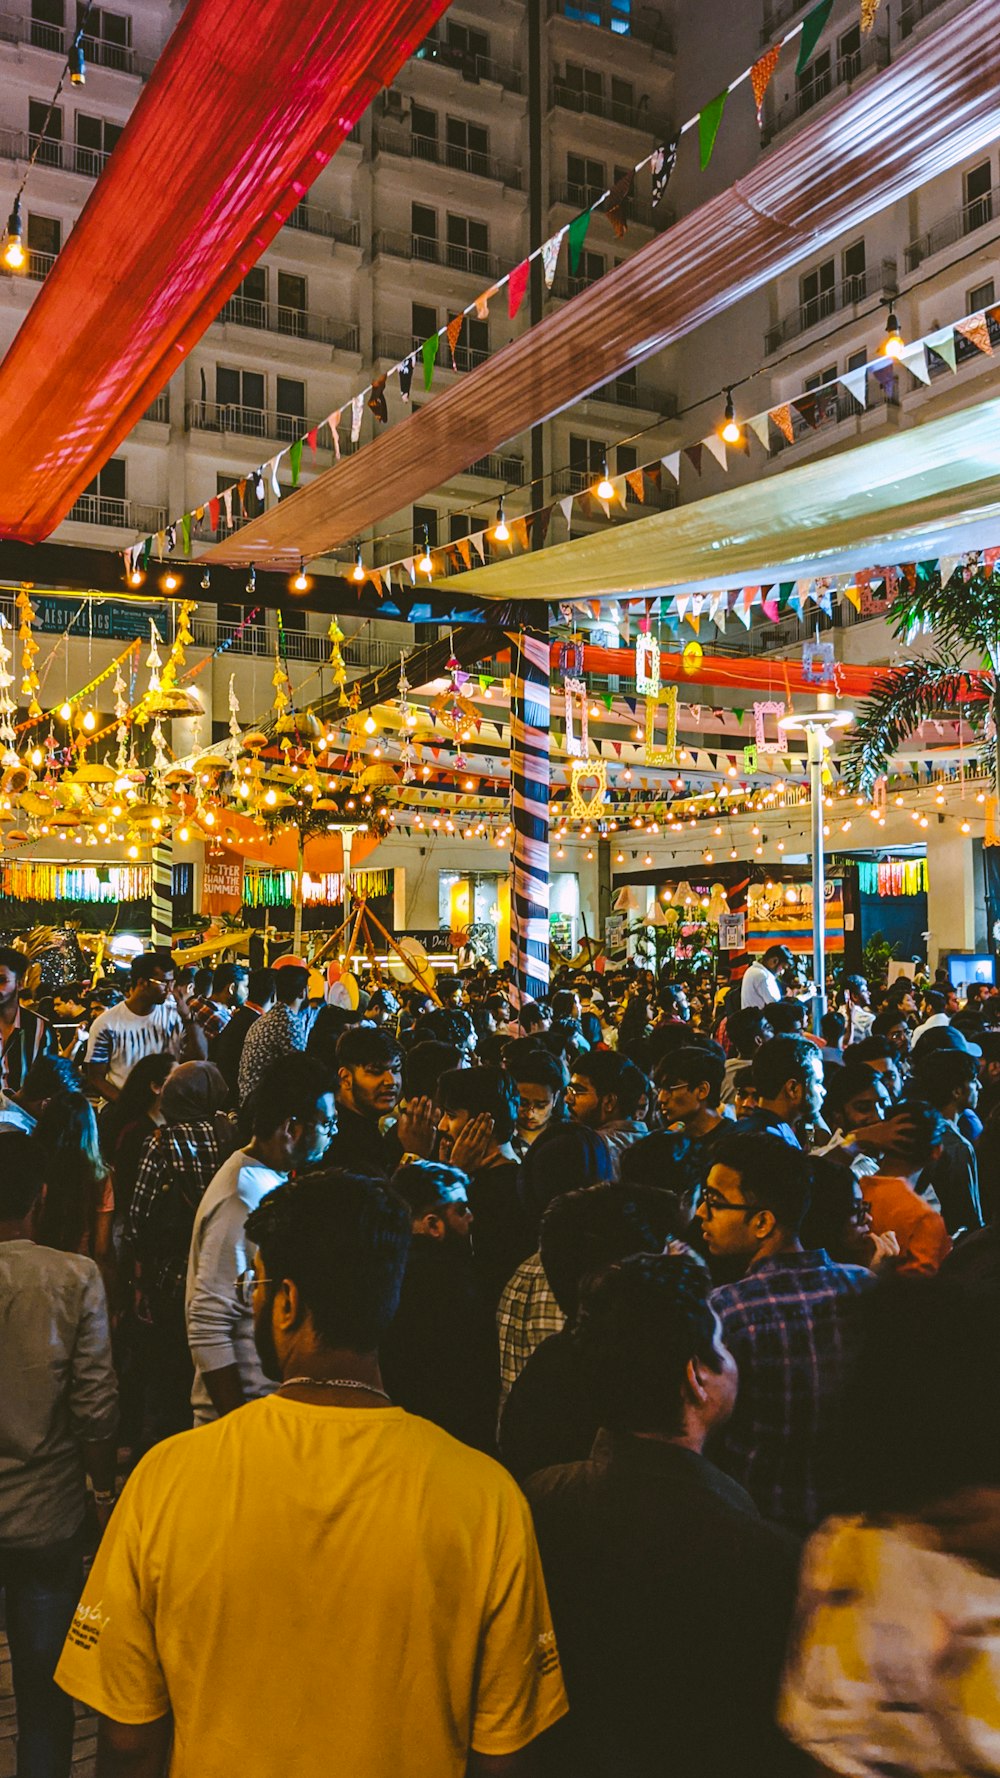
(14, 256)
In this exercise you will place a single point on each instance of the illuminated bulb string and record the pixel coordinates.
(14, 256)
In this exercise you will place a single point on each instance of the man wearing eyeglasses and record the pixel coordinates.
(294, 1120)
(793, 1322)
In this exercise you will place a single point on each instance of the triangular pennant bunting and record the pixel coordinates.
(517, 284)
(812, 30)
(760, 426)
(709, 119)
(661, 164)
(618, 198)
(357, 415)
(672, 465)
(550, 256)
(915, 360)
(693, 454)
(454, 330)
(782, 417)
(760, 76)
(856, 384)
(943, 343)
(714, 443)
(577, 231)
(976, 329)
(429, 352)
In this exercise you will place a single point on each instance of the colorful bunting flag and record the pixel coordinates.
(869, 13)
(186, 534)
(618, 198)
(856, 384)
(454, 330)
(376, 400)
(357, 415)
(672, 464)
(715, 444)
(760, 426)
(312, 436)
(976, 330)
(406, 377)
(577, 231)
(943, 343)
(295, 461)
(566, 507)
(429, 352)
(334, 425)
(213, 512)
(633, 478)
(709, 119)
(760, 77)
(812, 30)
(517, 284)
(782, 417)
(550, 256)
(915, 360)
(483, 302)
(662, 163)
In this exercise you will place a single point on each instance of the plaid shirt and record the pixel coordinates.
(793, 1324)
(181, 1157)
(213, 1018)
(527, 1314)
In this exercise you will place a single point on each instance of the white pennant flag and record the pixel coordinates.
(227, 501)
(476, 539)
(760, 426)
(566, 507)
(946, 568)
(357, 415)
(943, 343)
(550, 255)
(714, 443)
(672, 464)
(274, 474)
(411, 571)
(744, 613)
(915, 360)
(856, 384)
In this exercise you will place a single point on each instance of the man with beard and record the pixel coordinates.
(440, 1357)
(321, 1574)
(368, 1087)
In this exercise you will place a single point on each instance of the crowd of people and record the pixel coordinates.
(598, 1387)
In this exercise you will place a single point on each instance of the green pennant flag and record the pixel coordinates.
(295, 460)
(812, 30)
(785, 591)
(739, 715)
(186, 534)
(608, 701)
(577, 233)
(485, 681)
(429, 352)
(147, 550)
(709, 120)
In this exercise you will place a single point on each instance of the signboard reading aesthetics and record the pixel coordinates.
(111, 619)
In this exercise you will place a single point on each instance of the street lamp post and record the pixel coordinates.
(816, 725)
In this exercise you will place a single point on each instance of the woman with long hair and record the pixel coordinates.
(126, 1124)
(80, 1202)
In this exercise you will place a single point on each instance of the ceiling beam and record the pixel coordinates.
(244, 107)
(934, 107)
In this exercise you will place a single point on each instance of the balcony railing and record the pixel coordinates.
(913, 13)
(471, 67)
(873, 281)
(624, 393)
(832, 406)
(583, 481)
(820, 82)
(313, 221)
(104, 509)
(38, 267)
(580, 197)
(632, 117)
(297, 645)
(68, 157)
(401, 245)
(302, 324)
(397, 346)
(248, 422)
(98, 51)
(509, 470)
(979, 213)
(641, 24)
(159, 410)
(394, 138)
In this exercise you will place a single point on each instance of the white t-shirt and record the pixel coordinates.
(119, 1038)
(759, 987)
(219, 1328)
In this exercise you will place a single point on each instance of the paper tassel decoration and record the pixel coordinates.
(869, 13)
(760, 76)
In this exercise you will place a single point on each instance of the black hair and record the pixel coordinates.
(563, 1157)
(67, 1134)
(450, 986)
(854, 982)
(481, 1089)
(669, 995)
(745, 1026)
(260, 987)
(846, 1083)
(887, 1021)
(773, 1176)
(228, 975)
(365, 1046)
(290, 983)
(13, 960)
(423, 1066)
(145, 966)
(828, 1220)
(291, 1088)
(690, 1067)
(533, 1015)
(590, 1025)
(927, 1133)
(667, 1159)
(202, 983)
(936, 1074)
(326, 1031)
(874, 1048)
(444, 1025)
(23, 1173)
(343, 1241)
(57, 1074)
(565, 1038)
(641, 1323)
(584, 1231)
(833, 1028)
(787, 1017)
(779, 1060)
(423, 1184)
(562, 1003)
(610, 1074)
(934, 999)
(536, 1067)
(134, 1098)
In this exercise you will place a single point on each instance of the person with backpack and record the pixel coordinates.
(177, 1164)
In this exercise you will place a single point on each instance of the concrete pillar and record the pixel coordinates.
(955, 916)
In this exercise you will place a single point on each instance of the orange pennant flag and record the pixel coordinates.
(483, 303)
(519, 529)
(454, 329)
(760, 76)
(635, 482)
(464, 551)
(977, 331)
(782, 417)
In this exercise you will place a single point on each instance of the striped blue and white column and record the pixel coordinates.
(163, 906)
(530, 782)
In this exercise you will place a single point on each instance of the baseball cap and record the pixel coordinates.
(943, 1037)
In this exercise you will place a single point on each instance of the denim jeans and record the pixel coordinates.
(41, 1590)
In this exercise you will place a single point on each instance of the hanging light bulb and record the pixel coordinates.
(206, 579)
(252, 581)
(136, 577)
(170, 581)
(893, 344)
(89, 721)
(66, 710)
(300, 584)
(605, 488)
(77, 65)
(358, 571)
(729, 431)
(500, 531)
(425, 564)
(14, 256)
(370, 725)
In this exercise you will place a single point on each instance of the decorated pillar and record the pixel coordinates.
(163, 888)
(530, 795)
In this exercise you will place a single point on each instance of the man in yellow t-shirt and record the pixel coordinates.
(318, 1582)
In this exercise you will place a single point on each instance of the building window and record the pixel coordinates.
(823, 384)
(44, 240)
(423, 232)
(817, 293)
(816, 82)
(240, 397)
(476, 339)
(292, 304)
(978, 197)
(467, 146)
(587, 457)
(980, 297)
(291, 397)
(459, 525)
(468, 245)
(96, 137)
(424, 130)
(849, 54)
(248, 304)
(425, 521)
(468, 41)
(47, 20)
(854, 272)
(583, 88)
(103, 500)
(107, 38)
(45, 132)
(585, 179)
(424, 322)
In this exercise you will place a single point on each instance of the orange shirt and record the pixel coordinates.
(923, 1239)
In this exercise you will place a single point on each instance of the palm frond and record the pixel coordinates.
(963, 615)
(901, 699)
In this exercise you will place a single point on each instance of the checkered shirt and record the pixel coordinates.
(527, 1314)
(181, 1157)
